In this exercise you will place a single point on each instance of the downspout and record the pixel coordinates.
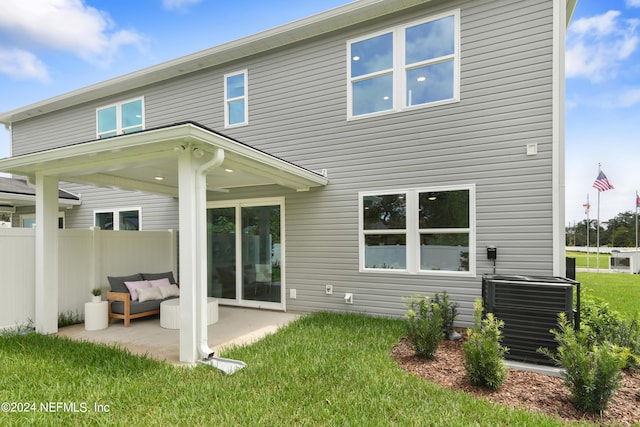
(201, 241)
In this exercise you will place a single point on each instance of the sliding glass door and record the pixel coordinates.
(245, 253)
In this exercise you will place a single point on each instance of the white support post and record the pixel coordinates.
(46, 254)
(188, 262)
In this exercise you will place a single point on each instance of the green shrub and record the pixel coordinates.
(424, 325)
(601, 324)
(68, 318)
(449, 313)
(483, 351)
(592, 372)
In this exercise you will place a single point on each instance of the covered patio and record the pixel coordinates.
(236, 326)
(184, 160)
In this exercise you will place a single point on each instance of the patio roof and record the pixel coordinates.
(184, 160)
(147, 161)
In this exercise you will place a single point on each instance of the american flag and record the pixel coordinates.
(637, 200)
(602, 183)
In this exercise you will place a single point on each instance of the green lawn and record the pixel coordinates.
(324, 369)
(621, 291)
(592, 258)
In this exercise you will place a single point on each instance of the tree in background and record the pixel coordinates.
(619, 232)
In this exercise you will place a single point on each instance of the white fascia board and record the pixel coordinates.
(28, 200)
(242, 153)
(87, 158)
(325, 22)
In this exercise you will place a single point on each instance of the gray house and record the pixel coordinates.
(339, 162)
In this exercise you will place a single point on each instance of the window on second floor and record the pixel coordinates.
(404, 67)
(235, 99)
(120, 118)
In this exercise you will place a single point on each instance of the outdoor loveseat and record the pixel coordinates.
(139, 295)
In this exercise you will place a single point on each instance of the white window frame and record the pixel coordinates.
(228, 101)
(413, 231)
(119, 129)
(399, 69)
(24, 217)
(238, 204)
(116, 217)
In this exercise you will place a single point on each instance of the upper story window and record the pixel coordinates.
(404, 67)
(427, 230)
(120, 118)
(235, 99)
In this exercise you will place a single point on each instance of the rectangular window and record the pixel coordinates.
(236, 95)
(404, 67)
(29, 220)
(118, 219)
(418, 231)
(121, 118)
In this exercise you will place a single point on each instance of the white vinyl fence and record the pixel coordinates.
(86, 258)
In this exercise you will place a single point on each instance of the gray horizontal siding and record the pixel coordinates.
(298, 110)
(158, 212)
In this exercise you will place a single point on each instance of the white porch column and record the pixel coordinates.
(188, 257)
(192, 207)
(46, 267)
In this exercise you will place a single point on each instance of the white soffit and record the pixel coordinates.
(136, 161)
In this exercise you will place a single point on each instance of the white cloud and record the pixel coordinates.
(633, 3)
(64, 25)
(629, 98)
(178, 4)
(20, 64)
(597, 46)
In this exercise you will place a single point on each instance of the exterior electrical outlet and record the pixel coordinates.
(328, 289)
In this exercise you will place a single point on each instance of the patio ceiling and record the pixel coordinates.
(148, 161)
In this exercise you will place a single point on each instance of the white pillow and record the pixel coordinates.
(134, 286)
(160, 282)
(169, 291)
(149, 294)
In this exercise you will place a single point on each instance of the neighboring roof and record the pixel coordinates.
(17, 192)
(303, 29)
(148, 161)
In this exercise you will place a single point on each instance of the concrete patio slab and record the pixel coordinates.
(235, 326)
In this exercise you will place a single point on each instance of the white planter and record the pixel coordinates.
(96, 298)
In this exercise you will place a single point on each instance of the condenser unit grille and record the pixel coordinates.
(529, 307)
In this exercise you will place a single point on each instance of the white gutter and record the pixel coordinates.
(228, 366)
(201, 250)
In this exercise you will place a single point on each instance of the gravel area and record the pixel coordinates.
(527, 390)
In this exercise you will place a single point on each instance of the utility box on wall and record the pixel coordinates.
(529, 307)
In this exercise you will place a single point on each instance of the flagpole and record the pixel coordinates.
(601, 184)
(598, 237)
(637, 205)
(598, 230)
(588, 226)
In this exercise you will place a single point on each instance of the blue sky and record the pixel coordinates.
(49, 47)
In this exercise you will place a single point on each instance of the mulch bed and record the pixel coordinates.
(523, 389)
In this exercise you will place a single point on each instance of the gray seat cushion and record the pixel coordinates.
(156, 276)
(136, 306)
(117, 282)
